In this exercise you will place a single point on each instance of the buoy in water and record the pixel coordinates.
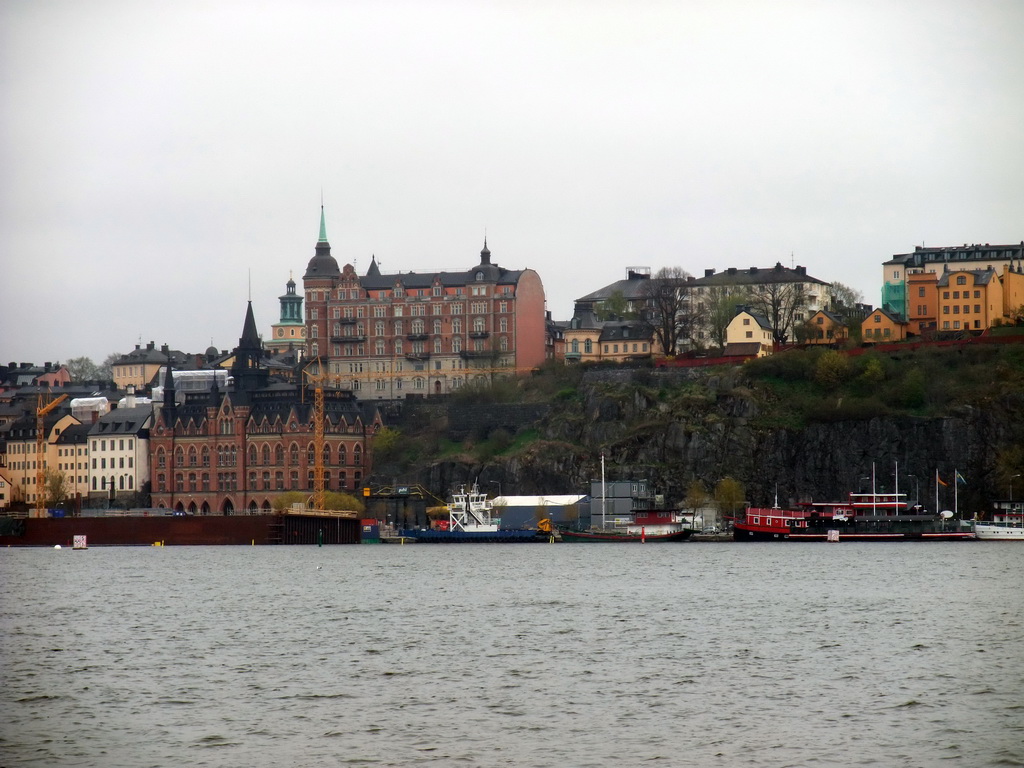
(56, 546)
(319, 567)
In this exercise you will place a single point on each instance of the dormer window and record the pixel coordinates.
(479, 276)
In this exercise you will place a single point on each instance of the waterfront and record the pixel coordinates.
(526, 655)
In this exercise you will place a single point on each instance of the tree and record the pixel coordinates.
(729, 496)
(667, 308)
(779, 303)
(105, 371)
(82, 369)
(55, 486)
(719, 310)
(614, 306)
(843, 297)
(696, 497)
(831, 369)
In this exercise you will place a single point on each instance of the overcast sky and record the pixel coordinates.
(152, 155)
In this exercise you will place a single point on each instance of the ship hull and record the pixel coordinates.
(743, 532)
(998, 532)
(473, 537)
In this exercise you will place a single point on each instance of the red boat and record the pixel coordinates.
(862, 517)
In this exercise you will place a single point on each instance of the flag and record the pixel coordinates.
(960, 479)
(940, 481)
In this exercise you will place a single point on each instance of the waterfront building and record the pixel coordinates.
(19, 440)
(73, 460)
(236, 449)
(139, 367)
(387, 336)
(119, 454)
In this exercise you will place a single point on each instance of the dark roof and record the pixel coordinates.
(151, 354)
(123, 421)
(633, 287)
(954, 253)
(623, 331)
(981, 276)
(830, 315)
(742, 349)
(756, 276)
(891, 315)
(76, 434)
(761, 319)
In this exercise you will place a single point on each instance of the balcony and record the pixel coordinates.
(417, 356)
(348, 339)
(470, 354)
(417, 336)
(479, 334)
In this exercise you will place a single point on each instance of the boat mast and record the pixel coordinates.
(896, 501)
(602, 491)
(874, 495)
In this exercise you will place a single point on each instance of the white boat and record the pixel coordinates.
(998, 532)
(1004, 526)
(471, 511)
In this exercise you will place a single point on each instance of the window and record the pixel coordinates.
(977, 294)
(961, 280)
(977, 309)
(588, 346)
(920, 291)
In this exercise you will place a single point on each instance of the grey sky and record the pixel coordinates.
(151, 154)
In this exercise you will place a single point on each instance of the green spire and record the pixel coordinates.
(323, 227)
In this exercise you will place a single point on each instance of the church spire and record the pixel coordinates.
(323, 226)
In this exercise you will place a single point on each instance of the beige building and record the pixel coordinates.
(750, 328)
(22, 462)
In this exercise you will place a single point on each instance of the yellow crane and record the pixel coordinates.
(317, 379)
(42, 409)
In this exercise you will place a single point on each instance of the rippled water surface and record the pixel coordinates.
(514, 655)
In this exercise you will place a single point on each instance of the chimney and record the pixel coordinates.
(801, 270)
(163, 348)
(149, 347)
(731, 270)
(753, 270)
(708, 272)
(129, 399)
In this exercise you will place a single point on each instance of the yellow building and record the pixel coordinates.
(882, 326)
(969, 300)
(140, 366)
(22, 462)
(750, 328)
(826, 328)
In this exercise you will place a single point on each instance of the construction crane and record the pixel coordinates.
(42, 409)
(317, 379)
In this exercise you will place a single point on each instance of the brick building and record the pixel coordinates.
(235, 451)
(386, 336)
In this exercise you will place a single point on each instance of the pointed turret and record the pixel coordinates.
(485, 254)
(374, 270)
(169, 394)
(250, 338)
(322, 264)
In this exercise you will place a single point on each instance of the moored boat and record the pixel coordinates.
(862, 517)
(1004, 526)
(646, 526)
(471, 520)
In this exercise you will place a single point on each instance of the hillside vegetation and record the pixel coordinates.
(812, 422)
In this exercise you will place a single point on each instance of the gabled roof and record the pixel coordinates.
(890, 315)
(760, 319)
(633, 287)
(830, 315)
(981, 276)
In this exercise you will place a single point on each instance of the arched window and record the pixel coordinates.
(161, 458)
(478, 324)
(341, 454)
(294, 451)
(253, 455)
(327, 454)
(179, 457)
(266, 455)
(357, 455)
(206, 456)
(311, 455)
(279, 455)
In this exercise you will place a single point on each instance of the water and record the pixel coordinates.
(514, 655)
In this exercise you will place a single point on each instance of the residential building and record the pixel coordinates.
(883, 325)
(17, 375)
(784, 296)
(623, 298)
(22, 460)
(895, 296)
(753, 331)
(235, 450)
(826, 327)
(386, 336)
(922, 302)
(73, 460)
(623, 340)
(969, 300)
(119, 455)
(583, 334)
(139, 367)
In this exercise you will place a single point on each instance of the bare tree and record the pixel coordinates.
(82, 369)
(55, 487)
(779, 303)
(105, 370)
(844, 300)
(667, 309)
(720, 309)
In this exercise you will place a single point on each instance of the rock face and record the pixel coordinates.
(714, 429)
